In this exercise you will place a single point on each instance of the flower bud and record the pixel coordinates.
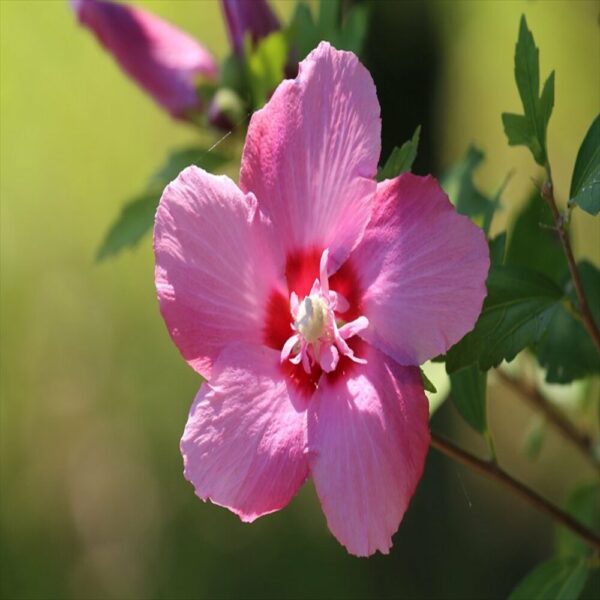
(248, 16)
(226, 109)
(165, 61)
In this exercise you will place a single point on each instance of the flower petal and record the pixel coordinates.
(368, 438)
(244, 442)
(212, 275)
(423, 267)
(242, 16)
(164, 60)
(311, 154)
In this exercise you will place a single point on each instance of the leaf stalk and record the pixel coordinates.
(494, 472)
(547, 193)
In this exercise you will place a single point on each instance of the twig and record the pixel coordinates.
(547, 193)
(493, 471)
(582, 442)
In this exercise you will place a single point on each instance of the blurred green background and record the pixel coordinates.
(94, 396)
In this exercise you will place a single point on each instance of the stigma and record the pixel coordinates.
(319, 337)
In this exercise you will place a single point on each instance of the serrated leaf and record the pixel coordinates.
(427, 384)
(556, 579)
(468, 387)
(566, 351)
(530, 128)
(533, 243)
(462, 191)
(265, 62)
(401, 159)
(583, 505)
(515, 314)
(137, 217)
(585, 184)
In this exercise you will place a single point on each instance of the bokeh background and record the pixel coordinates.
(94, 396)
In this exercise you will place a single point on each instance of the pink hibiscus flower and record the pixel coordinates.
(306, 297)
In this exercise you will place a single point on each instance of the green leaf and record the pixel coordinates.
(303, 31)
(468, 396)
(231, 74)
(534, 243)
(209, 160)
(556, 579)
(498, 249)
(530, 128)
(566, 351)
(329, 12)
(266, 64)
(466, 197)
(583, 505)
(349, 34)
(401, 159)
(354, 29)
(515, 314)
(427, 384)
(137, 217)
(585, 184)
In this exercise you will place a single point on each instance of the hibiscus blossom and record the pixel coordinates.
(307, 297)
(164, 60)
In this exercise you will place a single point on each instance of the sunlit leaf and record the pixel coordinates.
(135, 220)
(401, 159)
(515, 314)
(556, 579)
(345, 33)
(468, 395)
(209, 160)
(137, 217)
(585, 184)
(265, 62)
(530, 128)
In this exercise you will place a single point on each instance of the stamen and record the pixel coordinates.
(316, 338)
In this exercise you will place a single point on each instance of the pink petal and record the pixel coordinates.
(311, 154)
(423, 267)
(368, 438)
(164, 60)
(328, 357)
(243, 16)
(244, 442)
(212, 274)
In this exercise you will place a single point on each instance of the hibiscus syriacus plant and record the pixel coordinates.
(307, 297)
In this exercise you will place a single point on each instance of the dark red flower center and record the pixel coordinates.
(301, 271)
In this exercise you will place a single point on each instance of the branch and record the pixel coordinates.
(493, 471)
(564, 426)
(547, 192)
